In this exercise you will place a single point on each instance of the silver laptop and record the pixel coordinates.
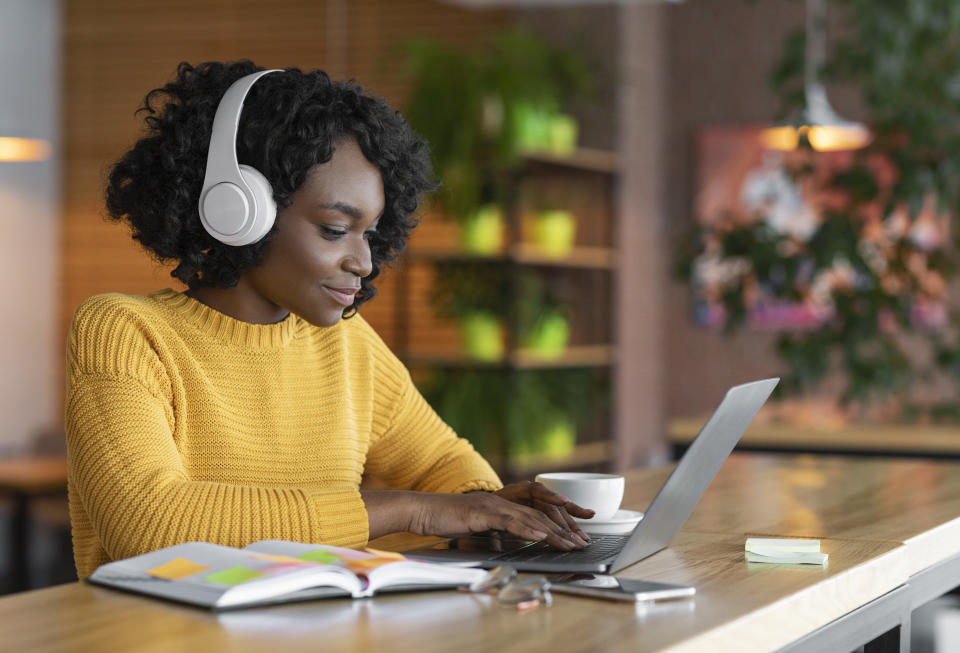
(667, 512)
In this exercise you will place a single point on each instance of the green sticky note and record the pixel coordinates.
(233, 576)
(320, 556)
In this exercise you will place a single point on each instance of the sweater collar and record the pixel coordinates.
(225, 328)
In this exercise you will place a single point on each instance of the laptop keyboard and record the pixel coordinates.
(600, 547)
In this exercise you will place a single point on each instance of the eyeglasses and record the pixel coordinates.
(523, 593)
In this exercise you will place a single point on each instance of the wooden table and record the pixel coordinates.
(912, 501)
(23, 479)
(739, 607)
(919, 440)
(872, 543)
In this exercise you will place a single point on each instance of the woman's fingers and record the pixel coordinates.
(574, 526)
(522, 520)
(494, 511)
(539, 492)
(554, 506)
(562, 518)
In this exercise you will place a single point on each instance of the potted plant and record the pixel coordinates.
(480, 109)
(545, 127)
(543, 318)
(554, 231)
(481, 232)
(475, 295)
(470, 402)
(534, 413)
(550, 221)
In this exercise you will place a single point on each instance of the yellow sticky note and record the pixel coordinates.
(363, 566)
(277, 558)
(385, 554)
(176, 568)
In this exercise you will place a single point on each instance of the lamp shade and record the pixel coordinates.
(14, 148)
(820, 125)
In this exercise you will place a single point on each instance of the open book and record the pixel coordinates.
(273, 571)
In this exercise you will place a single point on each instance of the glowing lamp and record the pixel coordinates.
(820, 125)
(23, 149)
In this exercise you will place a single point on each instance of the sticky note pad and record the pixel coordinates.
(319, 555)
(784, 550)
(176, 568)
(772, 556)
(783, 544)
(233, 576)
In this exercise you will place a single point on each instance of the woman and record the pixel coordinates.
(248, 407)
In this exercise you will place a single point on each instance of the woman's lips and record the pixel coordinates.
(344, 296)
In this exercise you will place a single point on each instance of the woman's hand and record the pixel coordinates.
(515, 509)
(557, 507)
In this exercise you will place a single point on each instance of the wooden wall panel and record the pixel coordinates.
(117, 50)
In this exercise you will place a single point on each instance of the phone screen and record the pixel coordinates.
(621, 587)
(628, 585)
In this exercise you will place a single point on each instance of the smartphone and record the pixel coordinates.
(622, 589)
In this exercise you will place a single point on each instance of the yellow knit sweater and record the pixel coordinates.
(185, 424)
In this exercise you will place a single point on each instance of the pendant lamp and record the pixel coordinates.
(824, 129)
(15, 148)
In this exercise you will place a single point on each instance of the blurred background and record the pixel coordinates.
(644, 203)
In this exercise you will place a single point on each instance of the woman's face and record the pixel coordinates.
(314, 264)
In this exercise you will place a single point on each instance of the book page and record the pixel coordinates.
(358, 562)
(425, 574)
(379, 569)
(212, 575)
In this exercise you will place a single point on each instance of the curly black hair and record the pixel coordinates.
(291, 121)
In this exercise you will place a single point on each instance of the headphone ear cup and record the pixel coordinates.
(266, 211)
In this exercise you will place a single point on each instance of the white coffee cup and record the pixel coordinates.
(601, 493)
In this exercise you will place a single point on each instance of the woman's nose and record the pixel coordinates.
(360, 261)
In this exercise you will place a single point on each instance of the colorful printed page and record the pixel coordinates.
(358, 562)
(272, 571)
(217, 576)
(378, 569)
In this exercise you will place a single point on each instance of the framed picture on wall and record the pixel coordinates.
(746, 188)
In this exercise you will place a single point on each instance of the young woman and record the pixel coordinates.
(248, 407)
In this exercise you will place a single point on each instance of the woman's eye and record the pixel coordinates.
(331, 233)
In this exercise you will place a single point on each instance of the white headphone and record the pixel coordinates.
(236, 203)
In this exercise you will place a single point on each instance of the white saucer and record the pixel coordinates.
(622, 521)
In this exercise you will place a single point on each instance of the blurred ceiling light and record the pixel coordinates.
(824, 129)
(488, 4)
(23, 149)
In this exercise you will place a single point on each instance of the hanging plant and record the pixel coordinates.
(872, 256)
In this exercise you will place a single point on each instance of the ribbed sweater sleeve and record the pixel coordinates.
(412, 448)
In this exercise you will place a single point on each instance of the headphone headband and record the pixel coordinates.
(236, 202)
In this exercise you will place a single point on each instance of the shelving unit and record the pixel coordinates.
(587, 455)
(522, 359)
(590, 268)
(601, 258)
